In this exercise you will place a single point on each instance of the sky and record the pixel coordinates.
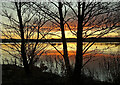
(68, 34)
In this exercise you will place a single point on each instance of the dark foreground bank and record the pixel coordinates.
(14, 75)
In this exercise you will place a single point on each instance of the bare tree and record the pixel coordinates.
(95, 19)
(79, 54)
(58, 20)
(65, 55)
(23, 54)
(25, 26)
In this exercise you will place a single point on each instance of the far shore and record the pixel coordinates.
(108, 39)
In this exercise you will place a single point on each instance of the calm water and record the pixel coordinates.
(97, 52)
(98, 49)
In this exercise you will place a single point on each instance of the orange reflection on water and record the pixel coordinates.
(54, 52)
(73, 53)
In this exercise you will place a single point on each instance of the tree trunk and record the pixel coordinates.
(79, 55)
(65, 55)
(23, 53)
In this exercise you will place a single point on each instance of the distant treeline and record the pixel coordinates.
(59, 40)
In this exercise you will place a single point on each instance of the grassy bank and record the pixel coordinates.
(15, 75)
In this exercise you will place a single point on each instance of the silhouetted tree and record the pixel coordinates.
(95, 19)
(23, 53)
(65, 55)
(79, 54)
(25, 26)
(58, 21)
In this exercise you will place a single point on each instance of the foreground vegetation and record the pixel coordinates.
(15, 75)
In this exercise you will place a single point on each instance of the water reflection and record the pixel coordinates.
(98, 52)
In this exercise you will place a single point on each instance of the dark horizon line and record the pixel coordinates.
(59, 40)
